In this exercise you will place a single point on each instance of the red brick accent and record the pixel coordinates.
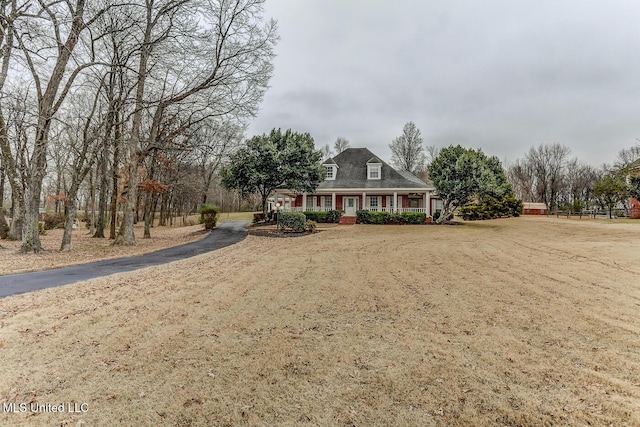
(347, 220)
(635, 208)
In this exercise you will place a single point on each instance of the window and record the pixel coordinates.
(373, 171)
(331, 172)
(390, 202)
(327, 202)
(373, 203)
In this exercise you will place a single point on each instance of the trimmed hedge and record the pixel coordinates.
(372, 217)
(332, 216)
(316, 216)
(413, 218)
(295, 221)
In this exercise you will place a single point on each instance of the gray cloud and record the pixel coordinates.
(499, 75)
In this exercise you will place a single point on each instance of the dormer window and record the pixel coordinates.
(331, 172)
(374, 170)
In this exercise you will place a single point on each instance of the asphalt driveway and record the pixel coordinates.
(226, 234)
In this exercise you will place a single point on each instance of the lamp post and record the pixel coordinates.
(278, 216)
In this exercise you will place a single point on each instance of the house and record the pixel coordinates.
(358, 179)
(529, 208)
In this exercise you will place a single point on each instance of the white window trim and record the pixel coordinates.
(333, 172)
(372, 167)
(378, 202)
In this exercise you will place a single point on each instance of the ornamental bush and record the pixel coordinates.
(490, 208)
(362, 216)
(412, 218)
(316, 216)
(372, 217)
(208, 216)
(295, 221)
(333, 216)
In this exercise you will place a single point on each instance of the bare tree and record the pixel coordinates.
(326, 152)
(547, 164)
(82, 153)
(41, 43)
(229, 65)
(213, 143)
(407, 150)
(580, 179)
(627, 156)
(340, 145)
(3, 221)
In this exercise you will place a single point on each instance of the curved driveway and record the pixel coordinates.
(227, 234)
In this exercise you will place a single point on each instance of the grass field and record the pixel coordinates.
(525, 321)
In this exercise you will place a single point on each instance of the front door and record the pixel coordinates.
(350, 206)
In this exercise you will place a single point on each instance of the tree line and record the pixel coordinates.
(136, 103)
(546, 174)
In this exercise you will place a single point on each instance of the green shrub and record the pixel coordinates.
(372, 217)
(316, 216)
(293, 220)
(412, 218)
(52, 221)
(362, 216)
(208, 216)
(333, 216)
(490, 208)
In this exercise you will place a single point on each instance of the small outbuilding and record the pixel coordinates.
(529, 208)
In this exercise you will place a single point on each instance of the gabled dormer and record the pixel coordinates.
(374, 168)
(331, 169)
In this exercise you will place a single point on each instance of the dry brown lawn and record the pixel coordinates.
(526, 321)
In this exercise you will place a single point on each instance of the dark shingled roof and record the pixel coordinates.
(329, 161)
(352, 173)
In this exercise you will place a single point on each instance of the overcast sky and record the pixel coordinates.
(498, 75)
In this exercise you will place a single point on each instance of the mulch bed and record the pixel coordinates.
(269, 232)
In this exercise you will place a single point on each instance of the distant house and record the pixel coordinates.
(357, 179)
(534, 208)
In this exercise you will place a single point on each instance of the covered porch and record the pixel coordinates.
(350, 202)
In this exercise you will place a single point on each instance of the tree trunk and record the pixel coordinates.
(92, 201)
(114, 188)
(126, 236)
(30, 231)
(148, 217)
(3, 221)
(102, 202)
(70, 216)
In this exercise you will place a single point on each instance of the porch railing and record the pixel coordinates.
(373, 209)
(396, 210)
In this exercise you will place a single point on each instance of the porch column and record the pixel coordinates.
(276, 200)
(333, 201)
(395, 201)
(364, 200)
(304, 202)
(427, 203)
